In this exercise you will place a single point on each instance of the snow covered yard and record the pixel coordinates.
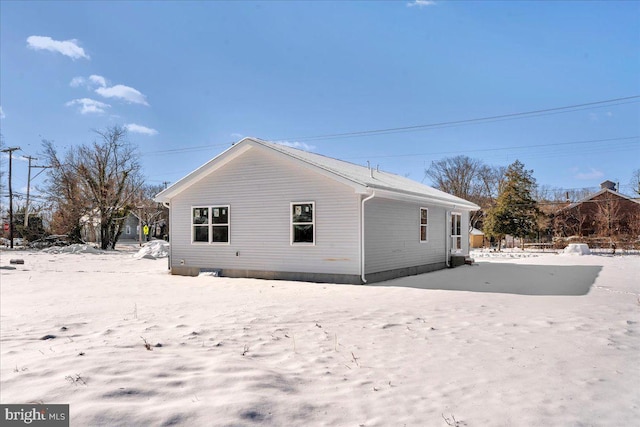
(529, 341)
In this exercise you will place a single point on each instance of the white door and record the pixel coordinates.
(456, 232)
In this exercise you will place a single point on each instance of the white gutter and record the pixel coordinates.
(362, 236)
(447, 238)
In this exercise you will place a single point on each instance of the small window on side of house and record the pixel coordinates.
(303, 223)
(424, 224)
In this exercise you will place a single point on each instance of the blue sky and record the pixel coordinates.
(190, 78)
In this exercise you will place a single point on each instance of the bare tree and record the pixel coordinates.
(455, 175)
(64, 191)
(571, 222)
(151, 213)
(469, 179)
(607, 217)
(97, 182)
(635, 181)
(2, 173)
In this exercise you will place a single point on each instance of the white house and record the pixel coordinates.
(265, 210)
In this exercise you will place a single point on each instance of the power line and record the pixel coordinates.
(625, 138)
(465, 121)
(487, 119)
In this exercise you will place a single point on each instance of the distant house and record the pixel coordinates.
(604, 213)
(91, 227)
(476, 238)
(130, 227)
(269, 211)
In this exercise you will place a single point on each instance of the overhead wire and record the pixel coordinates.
(487, 119)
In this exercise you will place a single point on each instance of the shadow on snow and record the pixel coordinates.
(506, 278)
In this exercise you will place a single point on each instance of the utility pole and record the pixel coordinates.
(140, 224)
(26, 206)
(10, 151)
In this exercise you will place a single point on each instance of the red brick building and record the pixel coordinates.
(606, 213)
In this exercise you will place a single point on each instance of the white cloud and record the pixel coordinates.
(132, 127)
(99, 80)
(300, 145)
(77, 82)
(89, 106)
(99, 84)
(595, 117)
(592, 174)
(68, 48)
(421, 3)
(123, 92)
(2, 116)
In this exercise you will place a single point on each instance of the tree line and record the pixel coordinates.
(513, 204)
(99, 184)
(95, 185)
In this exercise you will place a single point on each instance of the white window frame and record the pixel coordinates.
(425, 226)
(127, 230)
(454, 237)
(210, 225)
(292, 224)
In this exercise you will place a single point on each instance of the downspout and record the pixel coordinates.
(362, 236)
(447, 238)
(170, 257)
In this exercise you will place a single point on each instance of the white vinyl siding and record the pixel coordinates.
(260, 187)
(390, 235)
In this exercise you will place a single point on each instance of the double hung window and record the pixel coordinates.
(210, 224)
(424, 223)
(303, 223)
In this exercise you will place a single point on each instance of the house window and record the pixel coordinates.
(303, 223)
(128, 230)
(456, 232)
(210, 224)
(424, 222)
(220, 224)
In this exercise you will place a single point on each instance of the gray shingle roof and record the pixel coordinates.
(357, 175)
(366, 177)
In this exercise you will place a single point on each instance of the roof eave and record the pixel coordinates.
(452, 203)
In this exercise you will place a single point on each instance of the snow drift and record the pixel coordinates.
(577, 249)
(125, 343)
(153, 250)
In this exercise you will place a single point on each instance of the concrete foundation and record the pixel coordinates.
(351, 279)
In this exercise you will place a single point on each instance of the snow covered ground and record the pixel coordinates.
(528, 341)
